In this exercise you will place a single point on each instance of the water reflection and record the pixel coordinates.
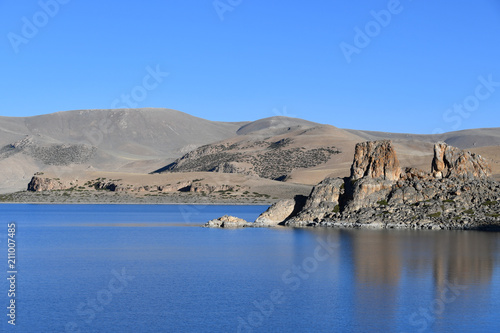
(466, 257)
(415, 270)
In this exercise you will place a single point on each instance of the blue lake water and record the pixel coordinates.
(147, 268)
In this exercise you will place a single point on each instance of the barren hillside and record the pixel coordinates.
(143, 141)
(131, 140)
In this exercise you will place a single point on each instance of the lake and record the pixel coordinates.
(152, 268)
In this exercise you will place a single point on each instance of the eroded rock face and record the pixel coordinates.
(38, 184)
(367, 192)
(375, 159)
(324, 199)
(451, 162)
(276, 213)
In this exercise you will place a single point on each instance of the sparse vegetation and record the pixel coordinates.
(267, 164)
(280, 144)
(469, 211)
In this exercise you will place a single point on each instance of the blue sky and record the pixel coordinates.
(402, 66)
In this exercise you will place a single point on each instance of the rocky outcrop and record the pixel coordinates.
(455, 194)
(276, 213)
(452, 162)
(38, 184)
(227, 221)
(324, 199)
(442, 204)
(108, 186)
(375, 159)
(207, 188)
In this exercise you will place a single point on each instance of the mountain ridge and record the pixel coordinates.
(147, 139)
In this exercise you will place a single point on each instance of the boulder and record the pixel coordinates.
(227, 221)
(276, 213)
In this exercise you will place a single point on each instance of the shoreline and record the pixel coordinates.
(107, 198)
(139, 203)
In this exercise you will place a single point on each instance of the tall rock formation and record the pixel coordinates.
(375, 159)
(451, 162)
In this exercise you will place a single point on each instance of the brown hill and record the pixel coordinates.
(130, 140)
(140, 141)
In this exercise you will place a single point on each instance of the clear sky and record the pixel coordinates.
(403, 66)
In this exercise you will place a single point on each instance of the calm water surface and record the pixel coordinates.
(142, 268)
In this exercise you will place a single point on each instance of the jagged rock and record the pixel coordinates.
(414, 173)
(367, 192)
(227, 221)
(324, 199)
(375, 159)
(276, 213)
(38, 184)
(452, 162)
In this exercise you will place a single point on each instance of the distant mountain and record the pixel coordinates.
(131, 140)
(131, 131)
(144, 140)
(275, 126)
(464, 139)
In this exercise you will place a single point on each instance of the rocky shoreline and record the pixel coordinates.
(456, 194)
